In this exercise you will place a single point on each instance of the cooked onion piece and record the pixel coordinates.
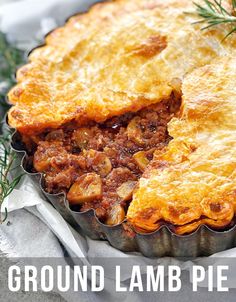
(134, 131)
(141, 160)
(98, 161)
(86, 188)
(116, 215)
(125, 191)
(46, 154)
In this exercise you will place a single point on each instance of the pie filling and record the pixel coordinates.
(98, 165)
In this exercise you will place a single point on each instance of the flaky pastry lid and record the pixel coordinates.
(120, 56)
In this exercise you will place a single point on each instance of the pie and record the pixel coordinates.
(129, 109)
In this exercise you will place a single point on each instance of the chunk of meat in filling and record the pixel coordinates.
(99, 165)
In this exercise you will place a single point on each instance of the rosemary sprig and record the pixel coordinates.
(7, 165)
(213, 13)
(10, 59)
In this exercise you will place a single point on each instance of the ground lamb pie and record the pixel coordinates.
(129, 109)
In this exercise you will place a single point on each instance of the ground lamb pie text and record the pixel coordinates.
(129, 110)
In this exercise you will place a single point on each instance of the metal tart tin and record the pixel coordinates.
(163, 242)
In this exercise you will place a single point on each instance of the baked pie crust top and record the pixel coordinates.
(122, 56)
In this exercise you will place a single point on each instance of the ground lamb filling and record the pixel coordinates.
(98, 166)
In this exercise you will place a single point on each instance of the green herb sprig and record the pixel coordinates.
(213, 13)
(10, 59)
(8, 181)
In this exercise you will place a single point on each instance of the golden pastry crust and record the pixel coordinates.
(120, 56)
(193, 181)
